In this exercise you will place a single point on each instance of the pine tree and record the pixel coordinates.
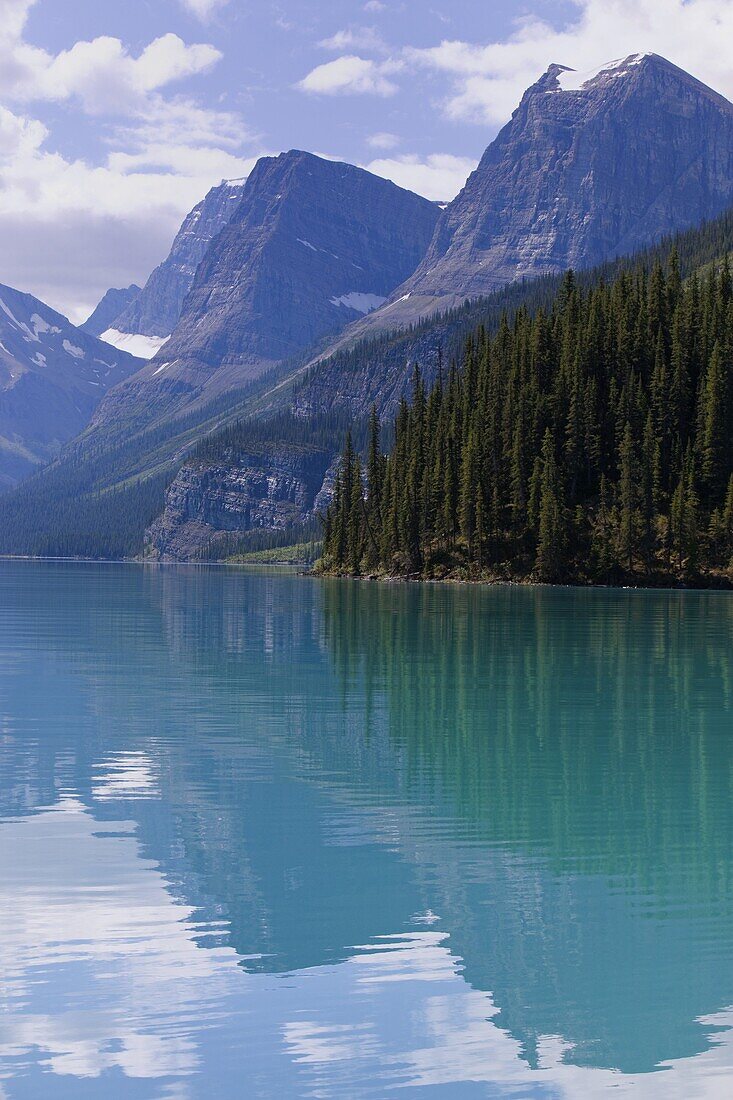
(552, 527)
(714, 427)
(627, 515)
(599, 432)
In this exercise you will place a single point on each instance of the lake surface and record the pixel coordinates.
(270, 836)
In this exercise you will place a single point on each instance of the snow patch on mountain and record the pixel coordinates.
(73, 350)
(18, 324)
(144, 347)
(570, 80)
(362, 303)
(42, 326)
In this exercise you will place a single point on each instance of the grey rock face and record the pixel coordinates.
(156, 309)
(585, 171)
(313, 245)
(52, 377)
(271, 488)
(109, 309)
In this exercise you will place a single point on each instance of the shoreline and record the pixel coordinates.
(723, 585)
(663, 584)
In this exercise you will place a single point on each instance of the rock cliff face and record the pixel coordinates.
(590, 167)
(155, 310)
(109, 309)
(209, 501)
(313, 245)
(52, 377)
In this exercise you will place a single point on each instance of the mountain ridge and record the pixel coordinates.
(569, 182)
(52, 377)
(676, 137)
(154, 311)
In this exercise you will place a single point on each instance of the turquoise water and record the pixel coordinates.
(269, 836)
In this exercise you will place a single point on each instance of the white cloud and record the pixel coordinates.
(488, 80)
(355, 38)
(352, 75)
(439, 177)
(383, 140)
(375, 5)
(101, 74)
(115, 220)
(203, 9)
(71, 227)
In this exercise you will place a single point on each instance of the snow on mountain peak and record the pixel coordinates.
(571, 80)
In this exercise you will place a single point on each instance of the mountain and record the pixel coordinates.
(153, 313)
(270, 285)
(52, 377)
(313, 245)
(590, 167)
(341, 390)
(109, 309)
(104, 491)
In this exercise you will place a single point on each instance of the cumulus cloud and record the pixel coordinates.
(71, 227)
(488, 80)
(102, 75)
(439, 176)
(352, 75)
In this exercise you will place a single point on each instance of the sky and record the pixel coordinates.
(116, 116)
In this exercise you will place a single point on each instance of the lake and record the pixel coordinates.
(271, 836)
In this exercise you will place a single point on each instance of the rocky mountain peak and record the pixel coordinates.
(592, 165)
(312, 245)
(623, 72)
(146, 319)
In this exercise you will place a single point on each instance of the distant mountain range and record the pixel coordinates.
(52, 377)
(114, 302)
(285, 293)
(146, 319)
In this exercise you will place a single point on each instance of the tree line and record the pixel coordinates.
(588, 442)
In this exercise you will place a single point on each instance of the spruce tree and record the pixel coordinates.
(552, 528)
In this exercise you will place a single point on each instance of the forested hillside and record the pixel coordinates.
(592, 442)
(98, 505)
(378, 370)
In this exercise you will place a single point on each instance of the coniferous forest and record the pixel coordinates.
(589, 443)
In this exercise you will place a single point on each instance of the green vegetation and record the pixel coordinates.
(302, 553)
(107, 486)
(591, 443)
(264, 543)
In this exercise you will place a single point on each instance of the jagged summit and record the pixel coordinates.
(145, 320)
(563, 78)
(312, 245)
(591, 165)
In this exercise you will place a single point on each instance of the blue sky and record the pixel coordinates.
(117, 115)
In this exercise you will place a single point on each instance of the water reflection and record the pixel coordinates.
(336, 838)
